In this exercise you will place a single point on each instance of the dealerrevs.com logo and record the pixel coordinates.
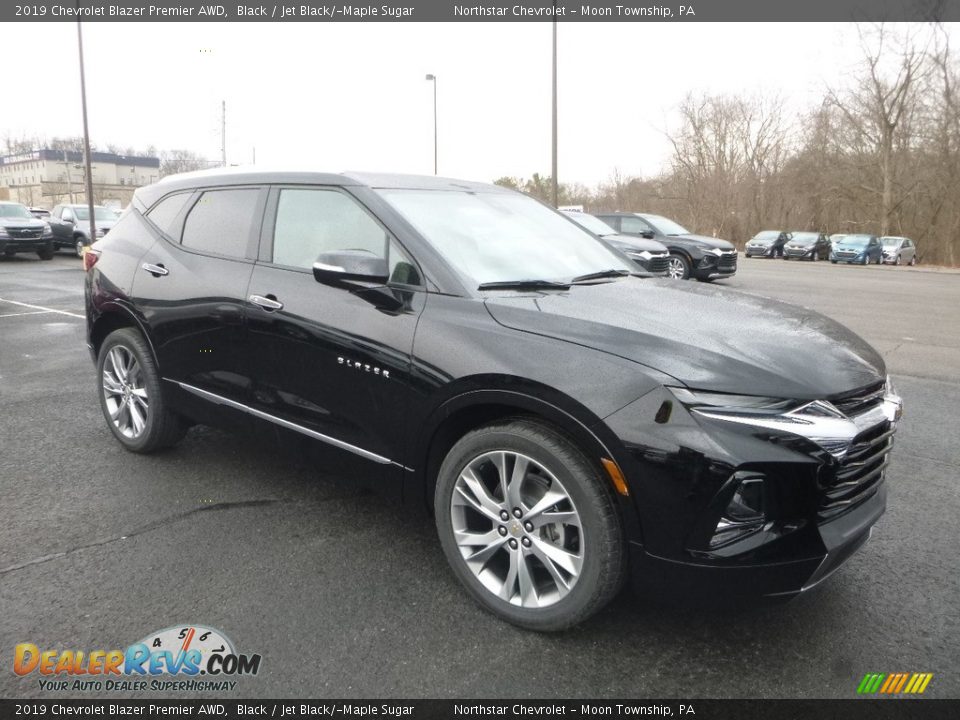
(180, 658)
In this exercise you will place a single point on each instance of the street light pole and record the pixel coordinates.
(86, 134)
(433, 79)
(553, 171)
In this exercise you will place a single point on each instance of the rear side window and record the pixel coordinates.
(165, 212)
(221, 221)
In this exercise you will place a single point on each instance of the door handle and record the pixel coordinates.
(155, 270)
(268, 303)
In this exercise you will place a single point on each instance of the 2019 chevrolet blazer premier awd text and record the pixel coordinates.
(568, 422)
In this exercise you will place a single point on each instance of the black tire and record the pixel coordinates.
(913, 261)
(79, 246)
(163, 428)
(46, 252)
(680, 261)
(603, 567)
(9, 253)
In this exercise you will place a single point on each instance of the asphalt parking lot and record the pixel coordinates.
(345, 595)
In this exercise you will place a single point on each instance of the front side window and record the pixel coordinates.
(314, 221)
(665, 225)
(502, 237)
(221, 221)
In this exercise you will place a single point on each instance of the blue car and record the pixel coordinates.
(859, 249)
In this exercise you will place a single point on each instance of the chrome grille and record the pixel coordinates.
(859, 401)
(25, 233)
(658, 263)
(860, 472)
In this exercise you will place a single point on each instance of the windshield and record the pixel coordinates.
(804, 238)
(99, 213)
(501, 237)
(856, 240)
(591, 223)
(12, 210)
(891, 241)
(837, 238)
(767, 235)
(666, 226)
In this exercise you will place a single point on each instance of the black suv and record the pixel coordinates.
(480, 355)
(20, 231)
(691, 256)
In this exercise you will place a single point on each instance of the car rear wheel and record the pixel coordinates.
(80, 247)
(678, 268)
(528, 525)
(131, 397)
(913, 261)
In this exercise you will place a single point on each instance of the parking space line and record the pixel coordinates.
(44, 309)
(32, 312)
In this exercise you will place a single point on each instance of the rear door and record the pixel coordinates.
(191, 286)
(330, 362)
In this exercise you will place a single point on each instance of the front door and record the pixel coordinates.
(329, 362)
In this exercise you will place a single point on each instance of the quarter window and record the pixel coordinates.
(221, 221)
(165, 212)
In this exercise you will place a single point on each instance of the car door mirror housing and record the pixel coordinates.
(648, 234)
(333, 268)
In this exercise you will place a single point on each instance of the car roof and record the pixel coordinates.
(255, 175)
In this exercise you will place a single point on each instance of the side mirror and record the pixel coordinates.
(68, 219)
(334, 268)
(648, 234)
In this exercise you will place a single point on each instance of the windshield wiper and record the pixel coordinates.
(524, 284)
(601, 274)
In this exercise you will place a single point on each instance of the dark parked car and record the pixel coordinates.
(651, 256)
(807, 246)
(20, 231)
(691, 256)
(71, 225)
(859, 249)
(562, 418)
(766, 243)
(899, 250)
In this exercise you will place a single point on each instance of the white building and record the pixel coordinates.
(44, 178)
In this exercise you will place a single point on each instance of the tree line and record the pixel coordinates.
(879, 154)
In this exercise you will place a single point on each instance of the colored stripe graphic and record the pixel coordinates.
(894, 683)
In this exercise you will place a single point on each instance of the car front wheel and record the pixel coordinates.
(529, 526)
(130, 394)
(678, 267)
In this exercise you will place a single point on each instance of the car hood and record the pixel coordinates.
(21, 222)
(702, 240)
(629, 242)
(707, 337)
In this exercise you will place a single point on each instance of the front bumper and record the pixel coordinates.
(801, 253)
(820, 500)
(712, 267)
(759, 252)
(24, 244)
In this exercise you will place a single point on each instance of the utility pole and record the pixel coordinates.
(86, 133)
(223, 132)
(553, 171)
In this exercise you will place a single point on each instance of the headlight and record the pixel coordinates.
(3, 232)
(47, 230)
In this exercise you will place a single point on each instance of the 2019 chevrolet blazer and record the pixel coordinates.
(568, 423)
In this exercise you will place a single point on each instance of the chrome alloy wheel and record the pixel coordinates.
(676, 269)
(517, 529)
(124, 392)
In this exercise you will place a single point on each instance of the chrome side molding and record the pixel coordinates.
(220, 400)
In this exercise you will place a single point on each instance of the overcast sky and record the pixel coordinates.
(339, 96)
